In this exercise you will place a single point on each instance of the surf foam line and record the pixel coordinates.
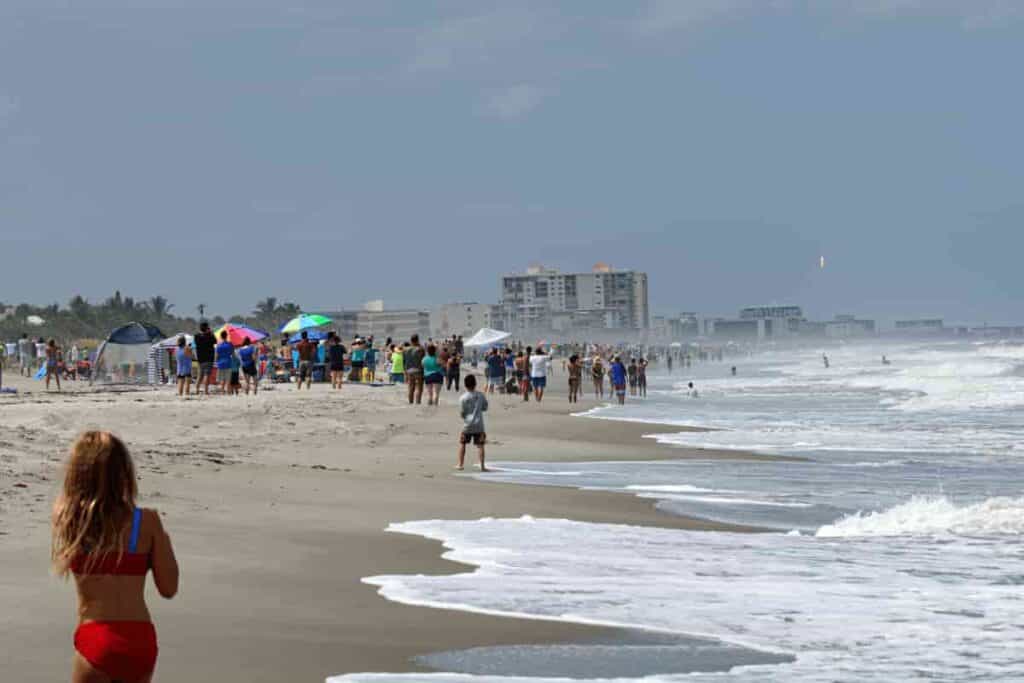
(390, 586)
(928, 515)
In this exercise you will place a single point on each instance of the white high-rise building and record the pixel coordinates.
(544, 300)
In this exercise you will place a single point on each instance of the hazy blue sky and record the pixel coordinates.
(332, 152)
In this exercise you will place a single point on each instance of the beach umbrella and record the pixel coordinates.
(304, 322)
(313, 335)
(172, 342)
(238, 333)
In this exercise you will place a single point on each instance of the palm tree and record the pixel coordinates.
(159, 306)
(266, 308)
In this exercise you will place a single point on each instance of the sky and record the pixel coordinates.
(333, 152)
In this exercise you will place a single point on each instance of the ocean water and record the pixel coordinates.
(895, 551)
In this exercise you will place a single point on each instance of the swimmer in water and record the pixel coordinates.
(825, 359)
(692, 392)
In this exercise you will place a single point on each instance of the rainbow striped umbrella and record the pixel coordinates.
(238, 333)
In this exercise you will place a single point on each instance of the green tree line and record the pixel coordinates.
(81, 319)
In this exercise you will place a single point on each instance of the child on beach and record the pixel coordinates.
(109, 545)
(183, 361)
(472, 406)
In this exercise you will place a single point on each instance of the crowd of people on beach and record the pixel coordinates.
(121, 542)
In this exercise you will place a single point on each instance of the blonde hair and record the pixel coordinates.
(96, 502)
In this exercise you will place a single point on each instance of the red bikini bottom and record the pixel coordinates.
(123, 650)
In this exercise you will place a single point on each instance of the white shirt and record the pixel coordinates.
(12, 349)
(539, 365)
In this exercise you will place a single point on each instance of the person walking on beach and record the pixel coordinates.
(223, 353)
(413, 358)
(641, 377)
(522, 365)
(454, 371)
(25, 356)
(597, 374)
(307, 356)
(631, 372)
(495, 370)
(52, 352)
(472, 406)
(109, 545)
(433, 376)
(575, 378)
(618, 374)
(205, 349)
(540, 363)
(669, 359)
(247, 360)
(335, 360)
(183, 362)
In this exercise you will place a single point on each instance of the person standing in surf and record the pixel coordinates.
(618, 374)
(575, 369)
(597, 374)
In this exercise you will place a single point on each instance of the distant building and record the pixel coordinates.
(769, 312)
(380, 323)
(763, 322)
(461, 318)
(543, 300)
(848, 327)
(736, 330)
(925, 326)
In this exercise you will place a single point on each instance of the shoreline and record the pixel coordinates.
(279, 505)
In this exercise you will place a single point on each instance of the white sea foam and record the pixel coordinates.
(933, 515)
(874, 609)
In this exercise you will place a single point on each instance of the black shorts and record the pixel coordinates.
(479, 439)
(234, 379)
(435, 378)
(337, 367)
(305, 369)
(249, 370)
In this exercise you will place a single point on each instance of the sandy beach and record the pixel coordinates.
(277, 506)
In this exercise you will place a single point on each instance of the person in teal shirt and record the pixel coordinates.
(433, 376)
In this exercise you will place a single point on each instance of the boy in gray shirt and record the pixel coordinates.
(472, 406)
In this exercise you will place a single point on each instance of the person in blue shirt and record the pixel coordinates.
(618, 373)
(495, 371)
(247, 357)
(223, 353)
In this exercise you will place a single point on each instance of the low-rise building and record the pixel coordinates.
(461, 319)
(849, 327)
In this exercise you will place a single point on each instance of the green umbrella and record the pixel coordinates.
(305, 322)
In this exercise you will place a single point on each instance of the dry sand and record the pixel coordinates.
(277, 507)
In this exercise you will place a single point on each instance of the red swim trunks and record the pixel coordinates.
(123, 650)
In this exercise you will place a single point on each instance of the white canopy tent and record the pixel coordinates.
(487, 337)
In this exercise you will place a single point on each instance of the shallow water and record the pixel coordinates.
(897, 551)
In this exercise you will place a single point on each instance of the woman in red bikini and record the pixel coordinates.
(110, 545)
